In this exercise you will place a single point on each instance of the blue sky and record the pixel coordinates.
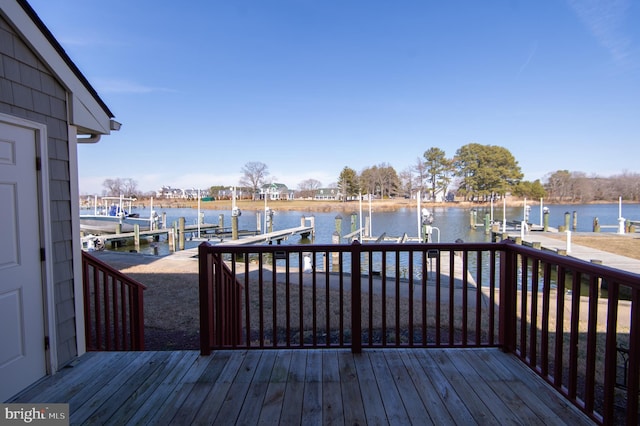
(311, 86)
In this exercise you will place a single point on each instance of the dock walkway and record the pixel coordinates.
(587, 254)
(271, 236)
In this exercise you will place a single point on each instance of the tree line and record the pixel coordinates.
(475, 172)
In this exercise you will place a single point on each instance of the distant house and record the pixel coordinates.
(275, 191)
(328, 194)
(189, 194)
(47, 108)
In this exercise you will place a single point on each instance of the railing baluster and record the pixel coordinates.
(452, 295)
(287, 283)
(410, 319)
(590, 367)
(524, 293)
(341, 296)
(247, 301)
(544, 343)
(314, 309)
(327, 285)
(274, 300)
(356, 282)
(533, 326)
(438, 325)
(423, 281)
(478, 297)
(611, 353)
(397, 287)
(633, 375)
(492, 296)
(574, 334)
(465, 298)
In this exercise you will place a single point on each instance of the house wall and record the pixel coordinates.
(29, 91)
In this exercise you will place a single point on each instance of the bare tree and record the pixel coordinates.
(420, 169)
(112, 187)
(120, 186)
(254, 174)
(129, 187)
(308, 187)
(407, 181)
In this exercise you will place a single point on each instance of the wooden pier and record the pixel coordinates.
(269, 237)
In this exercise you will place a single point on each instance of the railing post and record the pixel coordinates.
(138, 320)
(205, 281)
(508, 295)
(633, 387)
(356, 299)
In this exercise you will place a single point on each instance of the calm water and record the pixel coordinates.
(452, 222)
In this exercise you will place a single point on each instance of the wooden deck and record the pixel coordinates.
(316, 386)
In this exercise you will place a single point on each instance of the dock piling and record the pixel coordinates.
(181, 233)
(136, 237)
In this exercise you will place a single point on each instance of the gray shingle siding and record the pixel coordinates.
(28, 90)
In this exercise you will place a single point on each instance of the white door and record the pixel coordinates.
(22, 352)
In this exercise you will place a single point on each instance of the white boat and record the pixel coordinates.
(114, 215)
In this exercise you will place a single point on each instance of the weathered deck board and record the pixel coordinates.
(321, 386)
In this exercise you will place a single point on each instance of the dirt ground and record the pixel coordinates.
(625, 245)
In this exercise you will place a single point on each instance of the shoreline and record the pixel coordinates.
(337, 206)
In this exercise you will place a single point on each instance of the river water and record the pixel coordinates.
(450, 223)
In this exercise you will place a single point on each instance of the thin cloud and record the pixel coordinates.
(124, 86)
(532, 52)
(604, 19)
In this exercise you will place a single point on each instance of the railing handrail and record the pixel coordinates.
(113, 307)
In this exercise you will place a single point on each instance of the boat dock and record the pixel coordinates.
(269, 237)
(588, 254)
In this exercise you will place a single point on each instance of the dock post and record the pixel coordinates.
(221, 222)
(487, 224)
(545, 221)
(181, 233)
(575, 220)
(164, 220)
(472, 219)
(353, 222)
(136, 237)
(367, 222)
(171, 239)
(335, 256)
(567, 220)
(259, 222)
(234, 227)
(339, 227)
(596, 225)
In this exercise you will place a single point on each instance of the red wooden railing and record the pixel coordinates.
(113, 308)
(220, 295)
(523, 300)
